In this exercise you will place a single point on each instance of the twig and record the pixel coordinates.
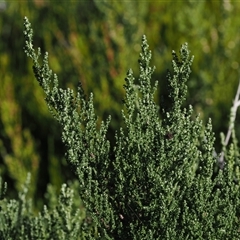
(236, 104)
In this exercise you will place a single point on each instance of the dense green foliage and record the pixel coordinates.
(62, 219)
(159, 180)
(91, 41)
(95, 42)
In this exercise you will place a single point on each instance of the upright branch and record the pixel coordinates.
(158, 182)
(231, 128)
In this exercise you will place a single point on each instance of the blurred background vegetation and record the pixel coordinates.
(96, 42)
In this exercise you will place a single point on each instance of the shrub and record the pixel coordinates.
(160, 180)
(62, 219)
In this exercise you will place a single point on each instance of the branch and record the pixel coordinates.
(236, 104)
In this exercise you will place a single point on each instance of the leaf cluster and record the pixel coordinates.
(62, 219)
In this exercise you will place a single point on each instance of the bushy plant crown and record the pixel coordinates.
(158, 180)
